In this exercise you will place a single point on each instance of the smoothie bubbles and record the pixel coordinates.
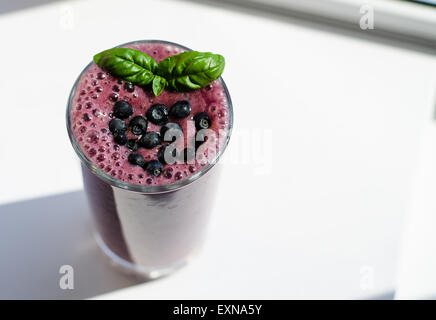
(148, 121)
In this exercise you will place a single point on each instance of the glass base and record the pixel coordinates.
(140, 272)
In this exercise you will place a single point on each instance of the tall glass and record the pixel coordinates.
(149, 230)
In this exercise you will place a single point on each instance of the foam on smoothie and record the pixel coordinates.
(91, 111)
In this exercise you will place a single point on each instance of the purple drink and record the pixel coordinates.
(149, 224)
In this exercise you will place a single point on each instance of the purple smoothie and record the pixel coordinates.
(93, 102)
(145, 224)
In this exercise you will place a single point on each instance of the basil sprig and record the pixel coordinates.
(191, 70)
(182, 72)
(158, 85)
(129, 64)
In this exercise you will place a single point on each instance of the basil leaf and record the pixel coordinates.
(191, 70)
(129, 64)
(158, 85)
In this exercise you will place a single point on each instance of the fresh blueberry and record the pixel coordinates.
(181, 109)
(138, 125)
(175, 131)
(122, 109)
(132, 144)
(120, 138)
(157, 114)
(171, 153)
(117, 125)
(154, 168)
(136, 159)
(149, 140)
(202, 121)
(188, 155)
(129, 87)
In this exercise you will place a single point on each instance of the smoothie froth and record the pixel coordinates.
(92, 107)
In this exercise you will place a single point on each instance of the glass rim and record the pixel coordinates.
(148, 189)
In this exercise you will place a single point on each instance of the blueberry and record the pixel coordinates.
(138, 125)
(149, 140)
(170, 153)
(202, 121)
(188, 155)
(132, 144)
(117, 125)
(154, 168)
(122, 109)
(120, 138)
(136, 159)
(129, 87)
(157, 114)
(181, 109)
(176, 131)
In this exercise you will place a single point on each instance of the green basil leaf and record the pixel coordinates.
(129, 64)
(158, 85)
(191, 70)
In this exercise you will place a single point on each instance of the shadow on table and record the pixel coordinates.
(13, 5)
(10, 6)
(39, 236)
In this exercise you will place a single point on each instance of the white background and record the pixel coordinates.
(347, 118)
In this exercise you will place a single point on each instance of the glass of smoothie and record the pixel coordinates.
(150, 216)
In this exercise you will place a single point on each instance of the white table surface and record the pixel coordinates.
(345, 118)
(417, 263)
